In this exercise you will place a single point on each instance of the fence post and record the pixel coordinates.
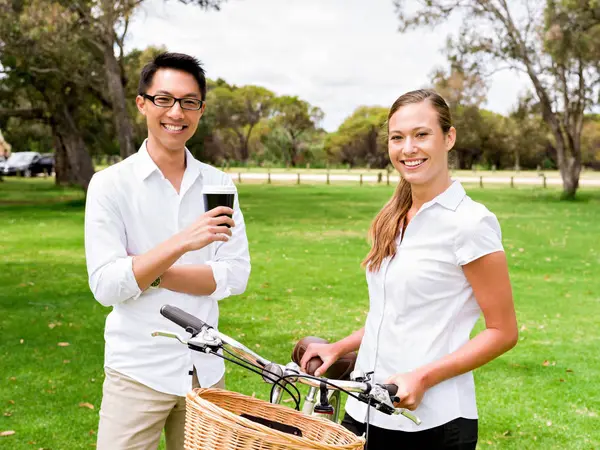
(240, 177)
(269, 177)
(388, 178)
(298, 182)
(361, 180)
(327, 176)
(379, 177)
(512, 182)
(544, 181)
(480, 181)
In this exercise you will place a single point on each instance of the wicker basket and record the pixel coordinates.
(213, 422)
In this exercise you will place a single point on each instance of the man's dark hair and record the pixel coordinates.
(178, 61)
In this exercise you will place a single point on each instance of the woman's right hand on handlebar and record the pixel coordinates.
(327, 352)
(210, 227)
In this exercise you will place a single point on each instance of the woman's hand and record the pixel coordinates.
(411, 389)
(327, 352)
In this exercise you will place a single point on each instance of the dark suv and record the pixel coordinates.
(27, 164)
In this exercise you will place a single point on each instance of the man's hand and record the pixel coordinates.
(210, 227)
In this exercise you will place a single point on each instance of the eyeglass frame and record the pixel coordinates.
(175, 100)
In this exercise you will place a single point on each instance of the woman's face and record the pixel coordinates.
(417, 146)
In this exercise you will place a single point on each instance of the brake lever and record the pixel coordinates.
(169, 335)
(205, 341)
(385, 405)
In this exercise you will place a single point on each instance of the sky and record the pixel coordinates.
(335, 54)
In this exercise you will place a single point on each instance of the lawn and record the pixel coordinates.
(306, 245)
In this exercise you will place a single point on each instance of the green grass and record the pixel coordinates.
(306, 245)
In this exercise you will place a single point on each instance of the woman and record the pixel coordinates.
(435, 264)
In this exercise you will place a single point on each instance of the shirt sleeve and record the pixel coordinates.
(231, 263)
(110, 268)
(478, 237)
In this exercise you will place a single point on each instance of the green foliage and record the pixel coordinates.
(361, 140)
(555, 42)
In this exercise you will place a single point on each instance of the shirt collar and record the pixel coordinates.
(145, 165)
(451, 197)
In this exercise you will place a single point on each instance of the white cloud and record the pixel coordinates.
(335, 54)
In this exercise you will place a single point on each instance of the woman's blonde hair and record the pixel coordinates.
(387, 223)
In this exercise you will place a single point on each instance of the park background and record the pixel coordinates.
(309, 188)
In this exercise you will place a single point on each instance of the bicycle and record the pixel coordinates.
(324, 395)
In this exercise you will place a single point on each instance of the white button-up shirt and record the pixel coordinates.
(131, 208)
(422, 307)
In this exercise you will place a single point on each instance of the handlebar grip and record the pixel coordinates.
(191, 324)
(391, 388)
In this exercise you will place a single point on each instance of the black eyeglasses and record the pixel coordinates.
(167, 101)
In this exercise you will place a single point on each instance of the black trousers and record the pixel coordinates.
(458, 434)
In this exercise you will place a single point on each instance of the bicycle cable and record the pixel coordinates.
(276, 377)
(368, 423)
(326, 381)
(276, 382)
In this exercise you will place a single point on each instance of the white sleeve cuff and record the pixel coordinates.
(115, 282)
(220, 273)
(131, 282)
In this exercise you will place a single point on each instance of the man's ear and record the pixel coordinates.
(202, 109)
(140, 103)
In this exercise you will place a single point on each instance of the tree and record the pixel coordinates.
(105, 24)
(590, 141)
(238, 110)
(556, 44)
(297, 118)
(361, 139)
(52, 76)
(530, 135)
(463, 87)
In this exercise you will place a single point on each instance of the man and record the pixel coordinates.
(149, 243)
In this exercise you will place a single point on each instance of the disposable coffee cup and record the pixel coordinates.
(218, 195)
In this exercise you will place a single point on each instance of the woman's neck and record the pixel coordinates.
(422, 194)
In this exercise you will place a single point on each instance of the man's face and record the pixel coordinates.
(171, 127)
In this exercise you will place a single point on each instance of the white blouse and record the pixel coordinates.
(422, 307)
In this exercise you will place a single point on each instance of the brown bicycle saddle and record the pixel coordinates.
(339, 370)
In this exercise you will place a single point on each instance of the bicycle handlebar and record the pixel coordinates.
(189, 323)
(206, 339)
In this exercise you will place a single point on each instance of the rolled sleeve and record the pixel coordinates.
(479, 237)
(231, 261)
(110, 268)
(220, 273)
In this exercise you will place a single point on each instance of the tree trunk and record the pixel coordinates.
(243, 149)
(116, 91)
(79, 159)
(570, 171)
(569, 164)
(62, 169)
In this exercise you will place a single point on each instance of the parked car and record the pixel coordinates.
(28, 164)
